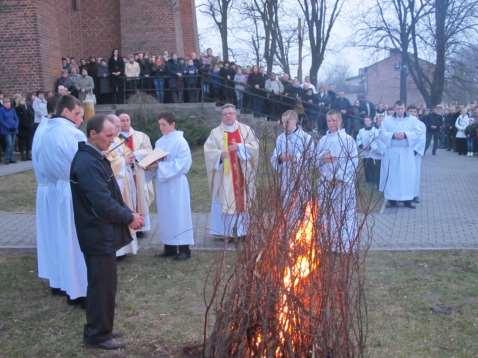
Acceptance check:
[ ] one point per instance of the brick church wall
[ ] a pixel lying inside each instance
(35, 34)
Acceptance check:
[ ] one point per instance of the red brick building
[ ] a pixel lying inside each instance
(380, 82)
(35, 34)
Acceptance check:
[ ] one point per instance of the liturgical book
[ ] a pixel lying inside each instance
(151, 158)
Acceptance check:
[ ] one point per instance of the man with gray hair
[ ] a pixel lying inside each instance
(232, 153)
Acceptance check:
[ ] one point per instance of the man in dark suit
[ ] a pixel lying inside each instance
(102, 221)
(434, 122)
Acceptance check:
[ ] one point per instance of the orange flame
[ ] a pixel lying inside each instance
(300, 269)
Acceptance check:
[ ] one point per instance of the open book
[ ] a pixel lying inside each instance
(151, 158)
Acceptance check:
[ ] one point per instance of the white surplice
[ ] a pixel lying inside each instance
(398, 169)
(419, 151)
(125, 179)
(60, 259)
(173, 199)
(368, 138)
(144, 190)
(299, 146)
(337, 188)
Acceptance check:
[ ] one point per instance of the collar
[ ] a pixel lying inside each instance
(230, 128)
(88, 147)
(65, 120)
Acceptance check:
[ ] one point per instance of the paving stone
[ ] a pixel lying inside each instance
(446, 218)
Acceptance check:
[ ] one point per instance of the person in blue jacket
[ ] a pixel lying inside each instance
(8, 129)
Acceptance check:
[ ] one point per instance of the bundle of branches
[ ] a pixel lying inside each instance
(296, 288)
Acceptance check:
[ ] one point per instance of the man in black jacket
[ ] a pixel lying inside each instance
(434, 122)
(102, 221)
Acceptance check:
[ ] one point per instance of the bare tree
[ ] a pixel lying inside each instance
(320, 17)
(461, 83)
(448, 25)
(391, 25)
(419, 28)
(219, 11)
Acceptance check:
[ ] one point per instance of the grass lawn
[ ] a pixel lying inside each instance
(420, 305)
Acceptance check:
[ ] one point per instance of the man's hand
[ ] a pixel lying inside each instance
(399, 135)
(137, 222)
(285, 157)
(129, 158)
(233, 147)
(328, 158)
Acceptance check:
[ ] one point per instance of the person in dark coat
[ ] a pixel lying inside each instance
(434, 122)
(116, 68)
(101, 220)
(26, 127)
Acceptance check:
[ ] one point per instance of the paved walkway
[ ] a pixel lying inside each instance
(447, 217)
(15, 168)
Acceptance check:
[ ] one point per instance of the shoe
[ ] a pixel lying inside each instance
(57, 292)
(165, 255)
(110, 344)
(182, 256)
(79, 302)
(117, 335)
(391, 204)
(416, 200)
(120, 258)
(408, 204)
(13, 161)
(139, 234)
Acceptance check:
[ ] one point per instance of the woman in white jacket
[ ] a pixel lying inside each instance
(461, 123)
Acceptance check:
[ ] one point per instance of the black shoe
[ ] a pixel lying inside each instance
(57, 292)
(13, 161)
(416, 200)
(392, 204)
(139, 234)
(120, 258)
(110, 344)
(408, 204)
(165, 254)
(182, 256)
(79, 302)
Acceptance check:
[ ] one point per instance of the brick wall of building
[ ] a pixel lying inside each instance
(19, 46)
(147, 26)
(383, 83)
(37, 33)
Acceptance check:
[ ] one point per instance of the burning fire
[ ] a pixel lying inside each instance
(303, 258)
(303, 255)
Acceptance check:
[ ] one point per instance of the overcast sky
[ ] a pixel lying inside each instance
(340, 50)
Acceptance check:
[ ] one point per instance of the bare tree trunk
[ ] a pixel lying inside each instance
(320, 17)
(403, 76)
(300, 31)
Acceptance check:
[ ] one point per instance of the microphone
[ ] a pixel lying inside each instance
(124, 139)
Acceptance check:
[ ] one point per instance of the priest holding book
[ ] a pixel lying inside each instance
(173, 199)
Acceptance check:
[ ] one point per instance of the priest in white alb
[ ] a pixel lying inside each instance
(121, 158)
(231, 152)
(290, 156)
(140, 144)
(398, 173)
(419, 150)
(61, 261)
(173, 199)
(337, 158)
